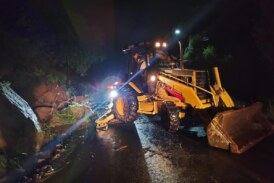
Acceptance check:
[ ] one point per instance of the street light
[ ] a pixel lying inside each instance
(178, 32)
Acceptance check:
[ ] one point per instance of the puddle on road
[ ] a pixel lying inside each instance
(172, 157)
(198, 130)
(159, 148)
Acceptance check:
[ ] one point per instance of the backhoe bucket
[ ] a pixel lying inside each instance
(239, 130)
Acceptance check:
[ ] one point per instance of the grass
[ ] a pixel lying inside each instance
(67, 116)
(3, 162)
(3, 165)
(47, 130)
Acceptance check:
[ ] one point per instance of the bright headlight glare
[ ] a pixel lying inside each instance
(113, 94)
(157, 44)
(164, 44)
(152, 78)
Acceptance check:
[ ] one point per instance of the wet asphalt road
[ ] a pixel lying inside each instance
(144, 152)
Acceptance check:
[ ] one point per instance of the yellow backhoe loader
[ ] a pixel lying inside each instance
(168, 90)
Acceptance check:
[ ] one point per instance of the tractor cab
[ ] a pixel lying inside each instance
(146, 59)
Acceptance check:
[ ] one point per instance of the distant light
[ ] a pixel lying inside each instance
(113, 94)
(164, 44)
(110, 87)
(116, 83)
(157, 44)
(177, 31)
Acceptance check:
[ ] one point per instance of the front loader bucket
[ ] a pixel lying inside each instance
(239, 130)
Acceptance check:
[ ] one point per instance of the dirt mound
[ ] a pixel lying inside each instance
(49, 98)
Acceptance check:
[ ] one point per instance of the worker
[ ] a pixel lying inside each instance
(138, 63)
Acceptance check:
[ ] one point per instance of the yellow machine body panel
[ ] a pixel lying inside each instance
(224, 96)
(186, 91)
(148, 108)
(145, 106)
(134, 87)
(220, 91)
(103, 121)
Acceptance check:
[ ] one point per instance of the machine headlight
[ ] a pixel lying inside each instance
(113, 94)
(157, 44)
(152, 78)
(164, 44)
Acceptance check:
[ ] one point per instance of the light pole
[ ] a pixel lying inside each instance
(178, 32)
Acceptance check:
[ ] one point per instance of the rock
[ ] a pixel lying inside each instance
(121, 148)
(58, 146)
(61, 151)
(40, 161)
(56, 156)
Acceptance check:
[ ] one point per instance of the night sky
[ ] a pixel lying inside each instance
(235, 27)
(126, 22)
(241, 28)
(115, 24)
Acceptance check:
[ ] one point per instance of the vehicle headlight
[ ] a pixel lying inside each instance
(152, 78)
(157, 44)
(113, 94)
(164, 44)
